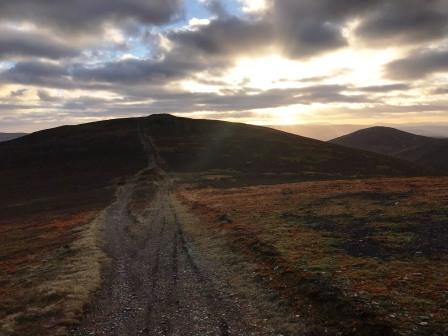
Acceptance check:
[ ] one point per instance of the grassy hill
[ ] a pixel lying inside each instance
(425, 151)
(56, 182)
(200, 145)
(99, 152)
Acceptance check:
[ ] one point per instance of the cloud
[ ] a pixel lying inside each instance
(44, 96)
(385, 88)
(404, 21)
(17, 93)
(15, 43)
(419, 64)
(229, 36)
(38, 74)
(140, 60)
(298, 29)
(306, 28)
(83, 16)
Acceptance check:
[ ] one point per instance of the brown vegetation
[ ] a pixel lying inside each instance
(55, 184)
(363, 257)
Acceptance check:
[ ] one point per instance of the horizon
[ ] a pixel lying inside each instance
(320, 131)
(262, 62)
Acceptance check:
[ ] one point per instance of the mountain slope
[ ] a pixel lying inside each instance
(198, 145)
(425, 151)
(96, 153)
(10, 136)
(56, 184)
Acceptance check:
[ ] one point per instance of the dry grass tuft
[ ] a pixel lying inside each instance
(51, 293)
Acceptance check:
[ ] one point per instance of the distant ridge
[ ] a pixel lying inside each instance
(10, 136)
(424, 151)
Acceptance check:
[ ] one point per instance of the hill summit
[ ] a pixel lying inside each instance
(425, 151)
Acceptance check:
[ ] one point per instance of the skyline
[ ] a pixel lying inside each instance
(263, 62)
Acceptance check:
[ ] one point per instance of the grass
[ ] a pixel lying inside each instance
(50, 265)
(55, 185)
(361, 257)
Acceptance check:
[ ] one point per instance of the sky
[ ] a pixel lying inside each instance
(266, 62)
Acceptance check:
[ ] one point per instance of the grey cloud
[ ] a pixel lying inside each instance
(419, 64)
(170, 101)
(440, 91)
(135, 71)
(85, 15)
(27, 44)
(306, 28)
(18, 93)
(226, 36)
(299, 29)
(405, 21)
(44, 96)
(216, 8)
(40, 74)
(385, 88)
(331, 94)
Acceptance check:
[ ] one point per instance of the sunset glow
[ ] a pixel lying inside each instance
(254, 61)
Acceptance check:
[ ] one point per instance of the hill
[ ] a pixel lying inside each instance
(320, 132)
(328, 132)
(10, 136)
(187, 145)
(84, 158)
(57, 185)
(425, 151)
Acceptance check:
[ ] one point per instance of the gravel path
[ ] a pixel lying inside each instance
(156, 288)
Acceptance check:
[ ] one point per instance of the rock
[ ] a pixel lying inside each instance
(225, 219)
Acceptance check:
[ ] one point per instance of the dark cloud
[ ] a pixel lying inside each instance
(405, 21)
(44, 96)
(305, 28)
(228, 36)
(419, 65)
(298, 29)
(440, 91)
(34, 73)
(178, 63)
(84, 15)
(217, 8)
(130, 71)
(28, 44)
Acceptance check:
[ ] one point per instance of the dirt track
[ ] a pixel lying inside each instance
(156, 288)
